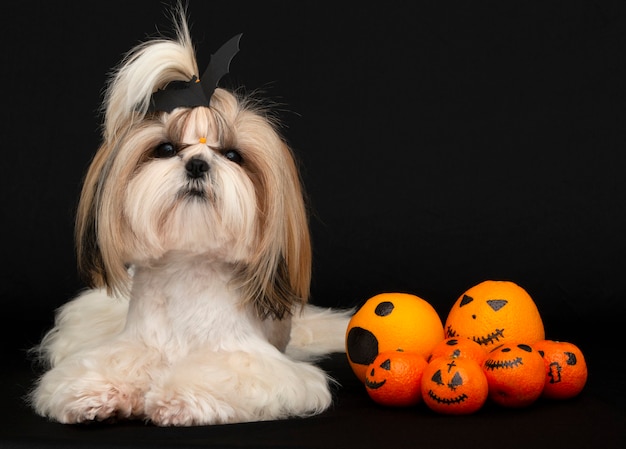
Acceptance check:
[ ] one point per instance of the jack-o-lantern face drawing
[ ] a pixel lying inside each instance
(454, 385)
(377, 377)
(393, 378)
(495, 312)
(390, 322)
(515, 374)
(566, 368)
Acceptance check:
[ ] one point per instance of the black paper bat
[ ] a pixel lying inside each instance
(197, 92)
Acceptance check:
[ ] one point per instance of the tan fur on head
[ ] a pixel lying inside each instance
(256, 218)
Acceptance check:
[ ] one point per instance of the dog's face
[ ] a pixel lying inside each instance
(216, 182)
(193, 183)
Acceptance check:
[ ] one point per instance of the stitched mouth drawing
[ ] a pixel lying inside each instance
(489, 339)
(491, 364)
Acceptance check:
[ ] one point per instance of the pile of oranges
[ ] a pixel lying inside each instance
(492, 347)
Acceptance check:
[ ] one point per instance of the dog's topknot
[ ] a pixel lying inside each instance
(149, 66)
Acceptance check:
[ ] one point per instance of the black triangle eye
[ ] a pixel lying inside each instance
(456, 381)
(497, 304)
(437, 377)
(466, 300)
(386, 365)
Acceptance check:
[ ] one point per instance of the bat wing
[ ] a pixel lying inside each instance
(219, 65)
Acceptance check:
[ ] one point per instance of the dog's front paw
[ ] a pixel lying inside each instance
(176, 408)
(106, 405)
(305, 393)
(84, 399)
(236, 387)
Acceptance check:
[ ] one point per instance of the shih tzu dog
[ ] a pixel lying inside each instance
(192, 233)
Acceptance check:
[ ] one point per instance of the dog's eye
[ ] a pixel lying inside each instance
(165, 150)
(233, 156)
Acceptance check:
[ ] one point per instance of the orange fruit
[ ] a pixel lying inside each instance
(515, 373)
(393, 378)
(454, 385)
(391, 322)
(495, 312)
(459, 348)
(565, 366)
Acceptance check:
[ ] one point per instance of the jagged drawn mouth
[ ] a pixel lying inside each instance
(491, 364)
(374, 385)
(447, 401)
(489, 339)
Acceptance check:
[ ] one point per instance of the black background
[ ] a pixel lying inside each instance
(441, 144)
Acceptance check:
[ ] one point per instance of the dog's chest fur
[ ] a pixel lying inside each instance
(184, 303)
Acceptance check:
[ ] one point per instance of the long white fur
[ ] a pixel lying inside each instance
(180, 338)
(103, 374)
(93, 317)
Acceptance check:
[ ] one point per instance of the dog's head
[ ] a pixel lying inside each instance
(216, 181)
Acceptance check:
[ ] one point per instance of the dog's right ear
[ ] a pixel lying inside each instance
(98, 233)
(88, 254)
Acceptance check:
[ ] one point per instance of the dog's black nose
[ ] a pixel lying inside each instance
(196, 168)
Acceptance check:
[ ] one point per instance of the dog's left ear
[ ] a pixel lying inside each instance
(279, 275)
(292, 276)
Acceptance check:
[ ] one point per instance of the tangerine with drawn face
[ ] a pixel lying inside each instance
(393, 378)
(454, 386)
(495, 312)
(565, 366)
(515, 373)
(391, 322)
